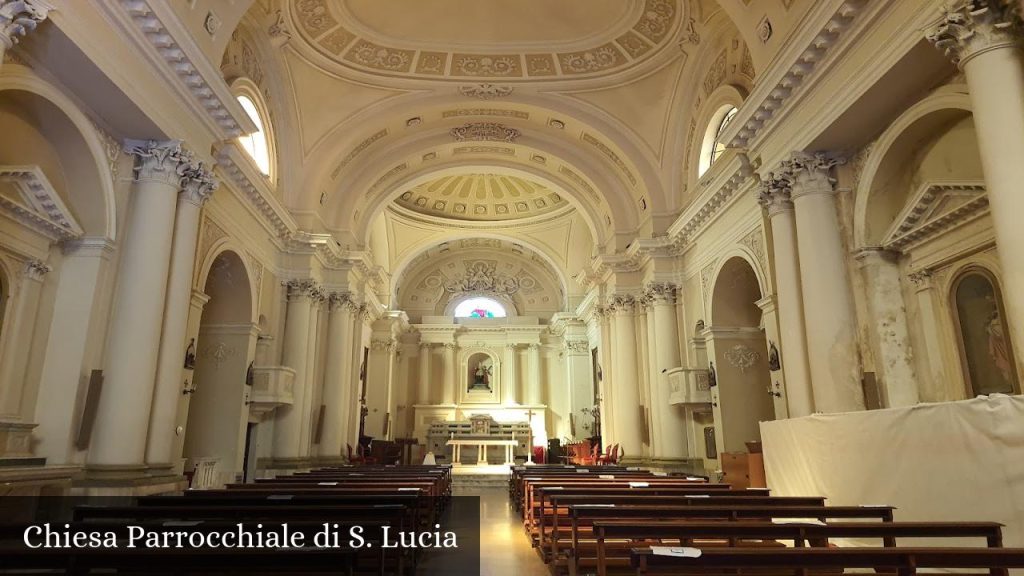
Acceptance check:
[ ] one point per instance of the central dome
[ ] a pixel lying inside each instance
(482, 197)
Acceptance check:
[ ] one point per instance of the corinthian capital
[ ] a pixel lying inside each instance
(660, 293)
(622, 304)
(162, 160)
(19, 17)
(302, 288)
(969, 27)
(342, 300)
(811, 173)
(197, 184)
(775, 192)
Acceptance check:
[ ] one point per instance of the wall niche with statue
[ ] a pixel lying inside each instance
(480, 371)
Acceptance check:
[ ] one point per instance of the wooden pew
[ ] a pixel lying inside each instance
(598, 554)
(800, 561)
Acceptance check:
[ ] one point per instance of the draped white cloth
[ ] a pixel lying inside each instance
(954, 461)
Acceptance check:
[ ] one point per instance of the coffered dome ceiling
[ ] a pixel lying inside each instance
(482, 197)
(498, 39)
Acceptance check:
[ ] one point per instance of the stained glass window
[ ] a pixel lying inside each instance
(479, 308)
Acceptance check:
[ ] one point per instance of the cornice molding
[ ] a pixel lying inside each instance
(165, 40)
(256, 191)
(936, 208)
(788, 75)
(42, 209)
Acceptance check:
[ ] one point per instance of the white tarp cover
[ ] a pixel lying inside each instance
(954, 461)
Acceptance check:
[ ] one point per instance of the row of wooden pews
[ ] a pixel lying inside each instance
(616, 520)
(409, 498)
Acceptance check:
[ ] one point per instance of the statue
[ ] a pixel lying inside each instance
(481, 377)
(712, 377)
(774, 365)
(190, 355)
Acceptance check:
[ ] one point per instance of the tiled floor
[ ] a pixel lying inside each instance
(504, 548)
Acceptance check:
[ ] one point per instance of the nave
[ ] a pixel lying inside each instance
(548, 519)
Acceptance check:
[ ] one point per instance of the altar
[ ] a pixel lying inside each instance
(481, 444)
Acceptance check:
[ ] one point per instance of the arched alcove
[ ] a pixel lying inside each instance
(217, 410)
(739, 352)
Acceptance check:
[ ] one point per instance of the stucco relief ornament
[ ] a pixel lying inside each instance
(577, 346)
(742, 357)
(482, 277)
(198, 183)
(775, 191)
(485, 91)
(485, 131)
(969, 27)
(164, 160)
(661, 293)
(19, 17)
(811, 172)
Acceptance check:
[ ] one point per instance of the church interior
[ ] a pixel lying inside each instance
(723, 249)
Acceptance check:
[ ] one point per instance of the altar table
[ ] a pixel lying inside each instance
(481, 458)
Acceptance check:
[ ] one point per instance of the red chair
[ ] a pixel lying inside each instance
(358, 457)
(591, 459)
(611, 458)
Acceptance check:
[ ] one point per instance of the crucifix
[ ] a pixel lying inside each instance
(529, 446)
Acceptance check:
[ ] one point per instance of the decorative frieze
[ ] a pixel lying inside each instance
(485, 91)
(577, 346)
(485, 131)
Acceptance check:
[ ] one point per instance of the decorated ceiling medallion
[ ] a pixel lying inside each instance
(361, 36)
(485, 131)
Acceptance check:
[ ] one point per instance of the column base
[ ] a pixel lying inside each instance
(127, 480)
(16, 439)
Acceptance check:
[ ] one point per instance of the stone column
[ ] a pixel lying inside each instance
(450, 374)
(288, 427)
(983, 38)
(122, 416)
(671, 426)
(199, 184)
(22, 330)
(933, 366)
(828, 299)
(893, 355)
(17, 18)
(775, 197)
(336, 375)
(423, 396)
(309, 411)
(508, 379)
(533, 377)
(624, 388)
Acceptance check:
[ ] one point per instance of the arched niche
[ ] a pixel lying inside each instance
(986, 353)
(480, 376)
(216, 406)
(738, 353)
(43, 128)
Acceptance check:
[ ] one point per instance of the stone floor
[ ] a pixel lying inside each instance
(504, 548)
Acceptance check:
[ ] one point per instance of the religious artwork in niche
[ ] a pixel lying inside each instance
(481, 371)
(190, 355)
(984, 345)
(479, 308)
(774, 365)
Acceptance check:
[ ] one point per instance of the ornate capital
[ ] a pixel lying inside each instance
(922, 278)
(511, 346)
(450, 346)
(775, 192)
(383, 345)
(970, 27)
(811, 173)
(197, 184)
(161, 160)
(577, 346)
(342, 300)
(302, 288)
(661, 293)
(534, 347)
(19, 17)
(622, 304)
(35, 269)
(425, 345)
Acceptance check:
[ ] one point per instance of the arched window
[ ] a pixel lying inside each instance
(713, 145)
(479, 308)
(255, 144)
(985, 351)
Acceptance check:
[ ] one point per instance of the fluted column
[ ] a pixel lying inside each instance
(533, 377)
(199, 184)
(17, 18)
(450, 376)
(892, 352)
(775, 197)
(828, 299)
(22, 328)
(624, 387)
(423, 386)
(671, 426)
(508, 378)
(122, 416)
(287, 428)
(983, 38)
(337, 384)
